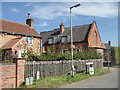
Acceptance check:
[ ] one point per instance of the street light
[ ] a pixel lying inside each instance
(72, 65)
(108, 50)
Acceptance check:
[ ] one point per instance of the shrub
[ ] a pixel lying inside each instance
(52, 56)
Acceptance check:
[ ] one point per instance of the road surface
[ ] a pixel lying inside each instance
(104, 81)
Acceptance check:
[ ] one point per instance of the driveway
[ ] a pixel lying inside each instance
(104, 81)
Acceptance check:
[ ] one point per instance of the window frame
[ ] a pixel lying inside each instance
(65, 40)
(20, 52)
(52, 39)
(29, 40)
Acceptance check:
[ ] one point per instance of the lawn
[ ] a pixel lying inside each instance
(57, 81)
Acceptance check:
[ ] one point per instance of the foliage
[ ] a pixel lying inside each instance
(84, 54)
(57, 81)
(115, 54)
(8, 61)
(87, 54)
(1, 52)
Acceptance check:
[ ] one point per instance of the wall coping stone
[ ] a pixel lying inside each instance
(8, 63)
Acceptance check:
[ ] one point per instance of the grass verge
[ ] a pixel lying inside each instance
(57, 81)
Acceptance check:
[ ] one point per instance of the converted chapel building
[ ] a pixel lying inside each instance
(83, 36)
(16, 38)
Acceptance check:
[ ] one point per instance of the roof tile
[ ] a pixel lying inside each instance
(11, 43)
(10, 26)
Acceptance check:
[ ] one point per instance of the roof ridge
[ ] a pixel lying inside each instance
(79, 25)
(14, 22)
(65, 28)
(49, 31)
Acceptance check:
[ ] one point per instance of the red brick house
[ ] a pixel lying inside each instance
(16, 38)
(83, 36)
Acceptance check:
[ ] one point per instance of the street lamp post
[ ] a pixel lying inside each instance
(108, 54)
(72, 64)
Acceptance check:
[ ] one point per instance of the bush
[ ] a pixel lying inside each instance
(115, 54)
(52, 56)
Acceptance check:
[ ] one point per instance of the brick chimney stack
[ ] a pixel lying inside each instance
(62, 28)
(109, 43)
(30, 21)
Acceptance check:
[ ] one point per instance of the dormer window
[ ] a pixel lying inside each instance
(64, 39)
(50, 40)
(29, 40)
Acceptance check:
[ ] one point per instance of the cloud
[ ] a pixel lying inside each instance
(14, 10)
(28, 4)
(60, 0)
(51, 11)
(43, 24)
(105, 10)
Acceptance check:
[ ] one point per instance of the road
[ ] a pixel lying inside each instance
(104, 81)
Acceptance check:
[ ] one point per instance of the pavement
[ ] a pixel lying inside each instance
(109, 80)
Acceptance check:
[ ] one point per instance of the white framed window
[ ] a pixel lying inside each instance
(64, 39)
(50, 40)
(21, 52)
(29, 40)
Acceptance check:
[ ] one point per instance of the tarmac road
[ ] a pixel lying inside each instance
(104, 81)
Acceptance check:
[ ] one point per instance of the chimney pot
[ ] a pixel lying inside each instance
(28, 15)
(62, 28)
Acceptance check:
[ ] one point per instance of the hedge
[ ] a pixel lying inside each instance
(53, 56)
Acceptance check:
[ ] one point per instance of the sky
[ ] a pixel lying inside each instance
(49, 15)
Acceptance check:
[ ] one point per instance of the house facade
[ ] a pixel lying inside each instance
(16, 38)
(83, 36)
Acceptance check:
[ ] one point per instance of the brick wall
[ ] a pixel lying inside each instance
(20, 72)
(0, 76)
(8, 75)
(65, 46)
(12, 74)
(91, 37)
(6, 38)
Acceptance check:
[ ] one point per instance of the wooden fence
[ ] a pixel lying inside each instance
(54, 68)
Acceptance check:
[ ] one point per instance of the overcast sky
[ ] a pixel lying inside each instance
(49, 15)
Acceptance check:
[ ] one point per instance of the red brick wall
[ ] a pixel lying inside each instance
(12, 74)
(0, 76)
(91, 37)
(64, 46)
(20, 72)
(35, 47)
(8, 75)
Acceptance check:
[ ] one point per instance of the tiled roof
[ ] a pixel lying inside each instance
(10, 26)
(79, 34)
(11, 43)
